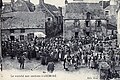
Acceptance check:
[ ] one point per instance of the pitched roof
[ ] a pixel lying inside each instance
(19, 5)
(30, 5)
(7, 8)
(111, 27)
(104, 3)
(111, 6)
(50, 7)
(82, 8)
(24, 20)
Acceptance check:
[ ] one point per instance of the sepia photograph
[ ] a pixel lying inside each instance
(59, 39)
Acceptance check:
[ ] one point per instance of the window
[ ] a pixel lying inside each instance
(76, 23)
(76, 34)
(88, 15)
(106, 12)
(21, 37)
(30, 36)
(87, 23)
(12, 38)
(12, 30)
(22, 30)
(98, 23)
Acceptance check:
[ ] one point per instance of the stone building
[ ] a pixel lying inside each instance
(21, 19)
(22, 24)
(52, 13)
(84, 19)
(110, 14)
(19, 6)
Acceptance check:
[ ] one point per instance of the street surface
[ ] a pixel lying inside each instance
(34, 70)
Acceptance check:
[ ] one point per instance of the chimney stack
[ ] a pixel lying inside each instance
(41, 1)
(28, 0)
(60, 9)
(12, 2)
(1, 4)
(66, 2)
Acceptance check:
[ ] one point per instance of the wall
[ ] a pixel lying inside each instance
(118, 26)
(69, 29)
(6, 33)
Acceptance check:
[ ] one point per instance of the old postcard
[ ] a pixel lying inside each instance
(59, 39)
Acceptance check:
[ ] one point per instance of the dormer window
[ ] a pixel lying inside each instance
(12, 30)
(21, 37)
(98, 23)
(88, 15)
(107, 13)
(22, 30)
(76, 23)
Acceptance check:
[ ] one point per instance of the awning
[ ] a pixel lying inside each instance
(39, 34)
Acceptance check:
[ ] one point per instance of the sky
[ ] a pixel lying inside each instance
(54, 2)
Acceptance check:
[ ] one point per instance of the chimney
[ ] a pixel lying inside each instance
(41, 1)
(66, 2)
(60, 10)
(12, 2)
(1, 4)
(28, 0)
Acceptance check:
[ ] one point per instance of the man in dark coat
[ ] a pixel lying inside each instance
(86, 60)
(75, 62)
(29, 53)
(43, 60)
(50, 67)
(22, 61)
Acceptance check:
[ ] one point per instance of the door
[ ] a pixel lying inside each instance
(12, 38)
(76, 34)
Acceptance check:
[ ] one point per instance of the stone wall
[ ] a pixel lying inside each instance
(69, 28)
(118, 26)
(6, 33)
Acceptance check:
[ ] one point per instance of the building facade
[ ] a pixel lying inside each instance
(22, 18)
(22, 24)
(118, 22)
(110, 13)
(53, 15)
(84, 19)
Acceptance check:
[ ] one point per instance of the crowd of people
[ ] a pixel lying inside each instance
(74, 52)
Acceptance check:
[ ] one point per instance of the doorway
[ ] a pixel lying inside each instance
(76, 34)
(12, 38)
